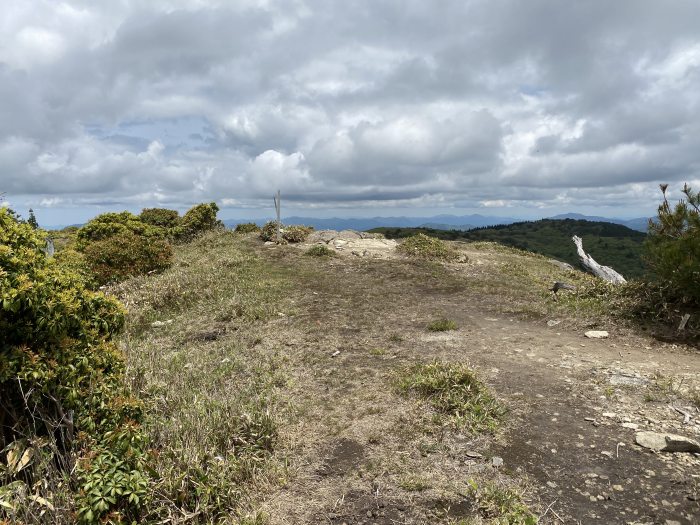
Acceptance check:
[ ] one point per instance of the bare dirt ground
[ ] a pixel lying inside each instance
(359, 453)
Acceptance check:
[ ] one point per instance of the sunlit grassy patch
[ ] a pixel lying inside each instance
(454, 391)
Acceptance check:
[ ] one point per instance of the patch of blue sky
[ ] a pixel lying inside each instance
(532, 91)
(174, 133)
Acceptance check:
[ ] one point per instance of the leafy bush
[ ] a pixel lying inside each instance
(320, 250)
(423, 247)
(109, 224)
(293, 233)
(269, 231)
(198, 219)
(162, 217)
(673, 246)
(125, 255)
(75, 262)
(63, 396)
(248, 227)
(296, 233)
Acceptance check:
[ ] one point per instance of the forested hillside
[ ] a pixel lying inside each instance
(610, 244)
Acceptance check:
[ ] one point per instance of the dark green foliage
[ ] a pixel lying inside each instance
(61, 377)
(109, 224)
(673, 247)
(162, 217)
(125, 255)
(32, 220)
(610, 244)
(248, 227)
(197, 220)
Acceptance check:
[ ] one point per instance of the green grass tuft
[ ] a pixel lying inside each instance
(501, 504)
(423, 247)
(320, 250)
(454, 391)
(414, 484)
(442, 325)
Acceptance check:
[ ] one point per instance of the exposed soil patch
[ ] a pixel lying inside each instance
(365, 508)
(343, 458)
(574, 403)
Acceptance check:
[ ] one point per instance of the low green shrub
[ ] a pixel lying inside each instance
(423, 247)
(110, 224)
(247, 227)
(292, 233)
(296, 233)
(68, 426)
(197, 220)
(162, 217)
(320, 250)
(269, 231)
(455, 391)
(125, 255)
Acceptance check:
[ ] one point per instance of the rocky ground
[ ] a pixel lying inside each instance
(359, 453)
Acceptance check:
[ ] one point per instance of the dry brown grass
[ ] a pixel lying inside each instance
(209, 381)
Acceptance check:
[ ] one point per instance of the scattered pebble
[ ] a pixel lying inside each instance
(157, 324)
(596, 334)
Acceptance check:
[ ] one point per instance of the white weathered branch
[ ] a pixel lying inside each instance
(604, 272)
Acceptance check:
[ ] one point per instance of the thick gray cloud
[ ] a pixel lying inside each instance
(541, 105)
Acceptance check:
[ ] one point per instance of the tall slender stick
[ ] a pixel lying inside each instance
(278, 205)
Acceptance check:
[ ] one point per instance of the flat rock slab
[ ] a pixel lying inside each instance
(596, 334)
(346, 235)
(627, 379)
(664, 442)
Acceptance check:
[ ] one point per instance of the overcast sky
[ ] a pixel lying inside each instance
(518, 108)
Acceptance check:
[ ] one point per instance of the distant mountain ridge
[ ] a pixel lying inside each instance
(610, 244)
(436, 222)
(640, 224)
(446, 222)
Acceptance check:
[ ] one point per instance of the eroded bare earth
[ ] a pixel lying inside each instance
(359, 452)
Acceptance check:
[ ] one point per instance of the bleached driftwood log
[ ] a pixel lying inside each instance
(604, 272)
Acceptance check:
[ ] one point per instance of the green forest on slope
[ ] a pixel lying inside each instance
(610, 244)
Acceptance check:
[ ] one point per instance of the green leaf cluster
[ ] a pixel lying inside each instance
(161, 217)
(127, 254)
(119, 245)
(108, 225)
(673, 246)
(61, 378)
(197, 220)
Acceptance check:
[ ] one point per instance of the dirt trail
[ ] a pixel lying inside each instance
(361, 454)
